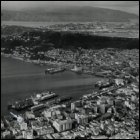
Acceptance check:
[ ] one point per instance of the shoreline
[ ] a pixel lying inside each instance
(52, 64)
(35, 62)
(60, 91)
(62, 86)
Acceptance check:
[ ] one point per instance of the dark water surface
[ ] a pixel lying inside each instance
(20, 80)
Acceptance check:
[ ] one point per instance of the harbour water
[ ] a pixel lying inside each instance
(34, 24)
(20, 80)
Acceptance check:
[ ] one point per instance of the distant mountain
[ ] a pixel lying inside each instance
(75, 14)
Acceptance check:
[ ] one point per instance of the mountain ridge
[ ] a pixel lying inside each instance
(80, 14)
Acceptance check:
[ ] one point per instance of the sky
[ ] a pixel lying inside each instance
(127, 6)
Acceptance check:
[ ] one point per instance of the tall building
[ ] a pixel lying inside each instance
(62, 125)
(81, 119)
(73, 106)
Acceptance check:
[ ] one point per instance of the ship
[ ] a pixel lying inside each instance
(21, 105)
(30, 102)
(54, 70)
(46, 96)
(99, 74)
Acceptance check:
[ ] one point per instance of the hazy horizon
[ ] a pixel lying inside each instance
(127, 6)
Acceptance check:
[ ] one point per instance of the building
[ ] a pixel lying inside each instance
(81, 119)
(119, 82)
(19, 118)
(75, 104)
(56, 136)
(2, 125)
(29, 115)
(27, 134)
(6, 134)
(44, 130)
(23, 126)
(102, 108)
(49, 136)
(48, 114)
(52, 113)
(95, 108)
(62, 125)
(77, 69)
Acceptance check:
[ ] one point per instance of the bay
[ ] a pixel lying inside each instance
(20, 80)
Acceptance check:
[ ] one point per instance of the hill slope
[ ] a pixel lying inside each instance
(64, 40)
(76, 14)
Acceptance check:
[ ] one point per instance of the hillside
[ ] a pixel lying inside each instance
(64, 40)
(75, 14)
